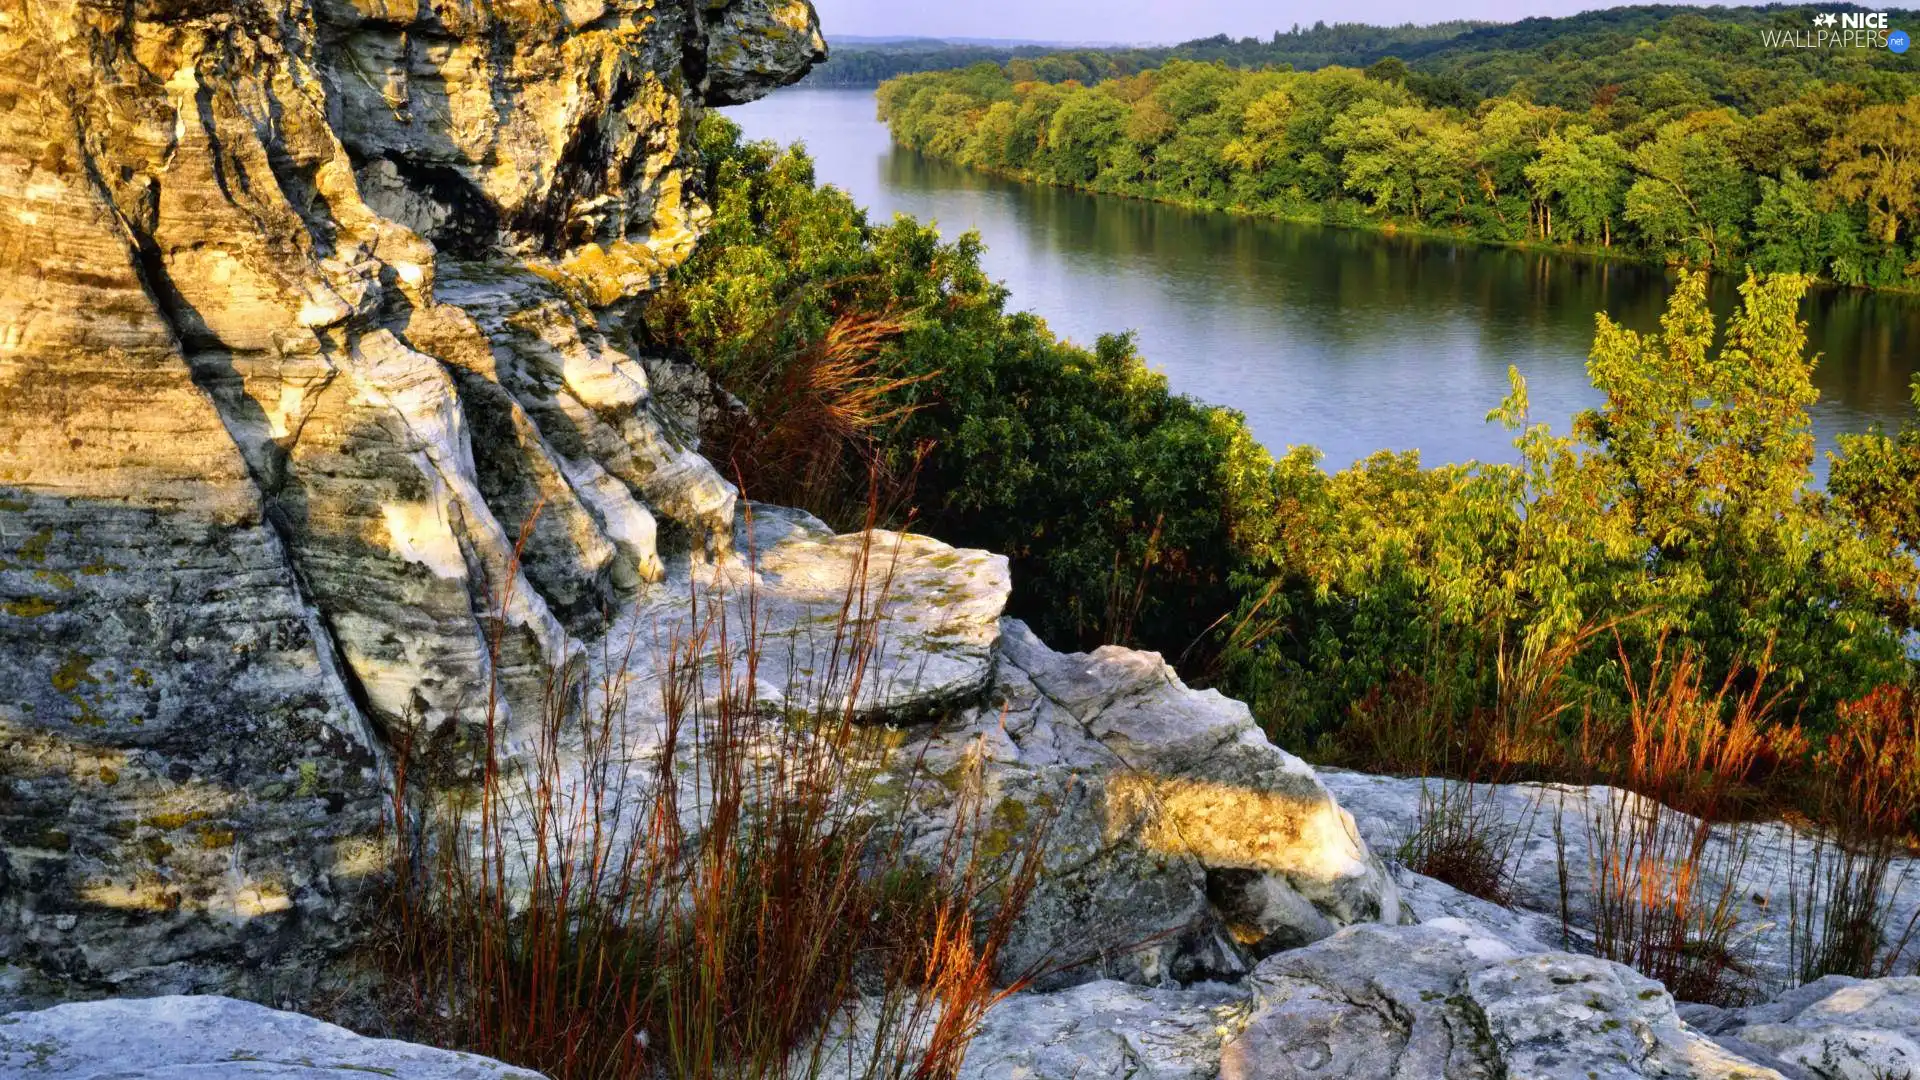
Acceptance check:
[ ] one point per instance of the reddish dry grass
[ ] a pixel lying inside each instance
(706, 909)
(809, 438)
(1866, 792)
(1662, 884)
(1665, 891)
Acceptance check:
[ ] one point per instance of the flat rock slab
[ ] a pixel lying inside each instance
(902, 624)
(1835, 1028)
(213, 1038)
(1445, 1000)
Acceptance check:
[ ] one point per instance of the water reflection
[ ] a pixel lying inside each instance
(1346, 340)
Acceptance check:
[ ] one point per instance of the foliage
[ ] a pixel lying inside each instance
(1683, 510)
(1626, 134)
(1076, 463)
(1659, 598)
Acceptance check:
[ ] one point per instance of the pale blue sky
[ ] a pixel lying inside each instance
(1153, 20)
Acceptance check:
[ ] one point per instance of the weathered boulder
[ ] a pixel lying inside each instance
(263, 472)
(750, 43)
(1179, 843)
(1439, 1000)
(926, 616)
(1834, 1028)
(216, 1038)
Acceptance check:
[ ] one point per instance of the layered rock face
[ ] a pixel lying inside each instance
(309, 313)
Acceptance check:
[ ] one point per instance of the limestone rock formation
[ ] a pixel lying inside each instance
(1179, 843)
(1834, 1028)
(214, 1037)
(305, 310)
(1445, 1000)
(1108, 1029)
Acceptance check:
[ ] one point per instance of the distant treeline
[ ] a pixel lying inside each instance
(1663, 133)
(1317, 46)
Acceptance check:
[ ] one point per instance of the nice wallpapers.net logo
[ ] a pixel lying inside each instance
(1841, 30)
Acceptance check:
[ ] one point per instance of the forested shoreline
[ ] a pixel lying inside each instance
(1635, 143)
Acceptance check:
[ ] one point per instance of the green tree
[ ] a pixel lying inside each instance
(1788, 226)
(1083, 135)
(1876, 480)
(1404, 158)
(1875, 159)
(1692, 191)
(1584, 175)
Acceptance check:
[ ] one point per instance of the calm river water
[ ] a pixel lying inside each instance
(1348, 341)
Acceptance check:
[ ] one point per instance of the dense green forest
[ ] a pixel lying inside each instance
(1658, 133)
(1682, 514)
(870, 64)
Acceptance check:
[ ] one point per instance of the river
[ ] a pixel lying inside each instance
(1344, 340)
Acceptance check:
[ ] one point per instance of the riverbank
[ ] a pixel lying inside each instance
(1692, 183)
(1351, 217)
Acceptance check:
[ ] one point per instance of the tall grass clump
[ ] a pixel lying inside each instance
(1866, 793)
(1666, 856)
(819, 407)
(1463, 739)
(665, 878)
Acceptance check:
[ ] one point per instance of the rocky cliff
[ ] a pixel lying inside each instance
(306, 308)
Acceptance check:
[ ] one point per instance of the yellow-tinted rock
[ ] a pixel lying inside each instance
(261, 484)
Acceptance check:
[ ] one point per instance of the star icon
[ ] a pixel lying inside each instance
(1825, 19)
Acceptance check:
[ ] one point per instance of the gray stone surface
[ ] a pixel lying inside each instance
(751, 42)
(1445, 1000)
(1835, 1028)
(214, 1038)
(922, 615)
(1107, 1031)
(1179, 843)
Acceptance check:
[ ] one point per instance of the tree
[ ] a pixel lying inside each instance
(1692, 191)
(1583, 174)
(1402, 157)
(1509, 137)
(1262, 142)
(1710, 452)
(1788, 226)
(1875, 159)
(1876, 479)
(1081, 138)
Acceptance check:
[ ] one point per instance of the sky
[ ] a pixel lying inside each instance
(1158, 21)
